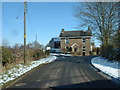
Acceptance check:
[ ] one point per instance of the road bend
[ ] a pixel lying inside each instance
(65, 72)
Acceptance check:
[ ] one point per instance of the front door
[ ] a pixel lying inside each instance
(75, 49)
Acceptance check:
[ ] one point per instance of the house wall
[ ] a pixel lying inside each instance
(78, 41)
(88, 46)
(51, 44)
(54, 45)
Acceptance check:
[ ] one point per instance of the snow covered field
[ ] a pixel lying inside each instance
(112, 68)
(21, 69)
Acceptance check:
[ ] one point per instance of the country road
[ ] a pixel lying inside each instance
(65, 72)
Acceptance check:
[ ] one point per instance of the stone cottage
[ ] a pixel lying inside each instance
(78, 42)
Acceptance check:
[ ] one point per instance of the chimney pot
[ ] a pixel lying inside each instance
(62, 30)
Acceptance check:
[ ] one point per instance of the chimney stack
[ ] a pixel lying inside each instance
(62, 30)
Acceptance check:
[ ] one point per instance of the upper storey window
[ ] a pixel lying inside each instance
(84, 40)
(66, 41)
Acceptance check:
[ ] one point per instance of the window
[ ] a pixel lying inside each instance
(66, 41)
(84, 48)
(57, 44)
(67, 48)
(70, 48)
(83, 53)
(84, 40)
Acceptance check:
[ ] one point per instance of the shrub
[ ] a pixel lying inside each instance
(38, 54)
(117, 53)
(110, 52)
(47, 52)
(7, 56)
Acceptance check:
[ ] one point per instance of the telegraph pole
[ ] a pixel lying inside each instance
(25, 32)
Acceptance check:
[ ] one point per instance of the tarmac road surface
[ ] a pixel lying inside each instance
(65, 72)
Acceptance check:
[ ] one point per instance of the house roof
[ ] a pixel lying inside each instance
(74, 33)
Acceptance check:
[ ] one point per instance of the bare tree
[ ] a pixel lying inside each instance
(101, 16)
(36, 45)
(16, 46)
(5, 43)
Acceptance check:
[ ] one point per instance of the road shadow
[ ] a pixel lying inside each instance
(88, 85)
(75, 59)
(91, 84)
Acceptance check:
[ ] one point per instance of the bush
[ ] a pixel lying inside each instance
(47, 52)
(38, 54)
(7, 56)
(110, 52)
(117, 53)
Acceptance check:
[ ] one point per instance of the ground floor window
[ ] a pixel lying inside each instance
(69, 48)
(83, 53)
(84, 48)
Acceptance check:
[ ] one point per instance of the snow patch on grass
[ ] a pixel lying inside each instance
(21, 69)
(111, 68)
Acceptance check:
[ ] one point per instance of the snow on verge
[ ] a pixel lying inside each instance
(111, 68)
(57, 54)
(21, 69)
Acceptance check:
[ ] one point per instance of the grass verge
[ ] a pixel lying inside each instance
(10, 83)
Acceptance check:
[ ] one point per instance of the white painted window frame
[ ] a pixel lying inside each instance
(66, 41)
(83, 48)
(83, 40)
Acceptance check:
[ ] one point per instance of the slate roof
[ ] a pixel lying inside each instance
(74, 33)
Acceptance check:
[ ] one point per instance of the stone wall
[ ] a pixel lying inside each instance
(76, 43)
